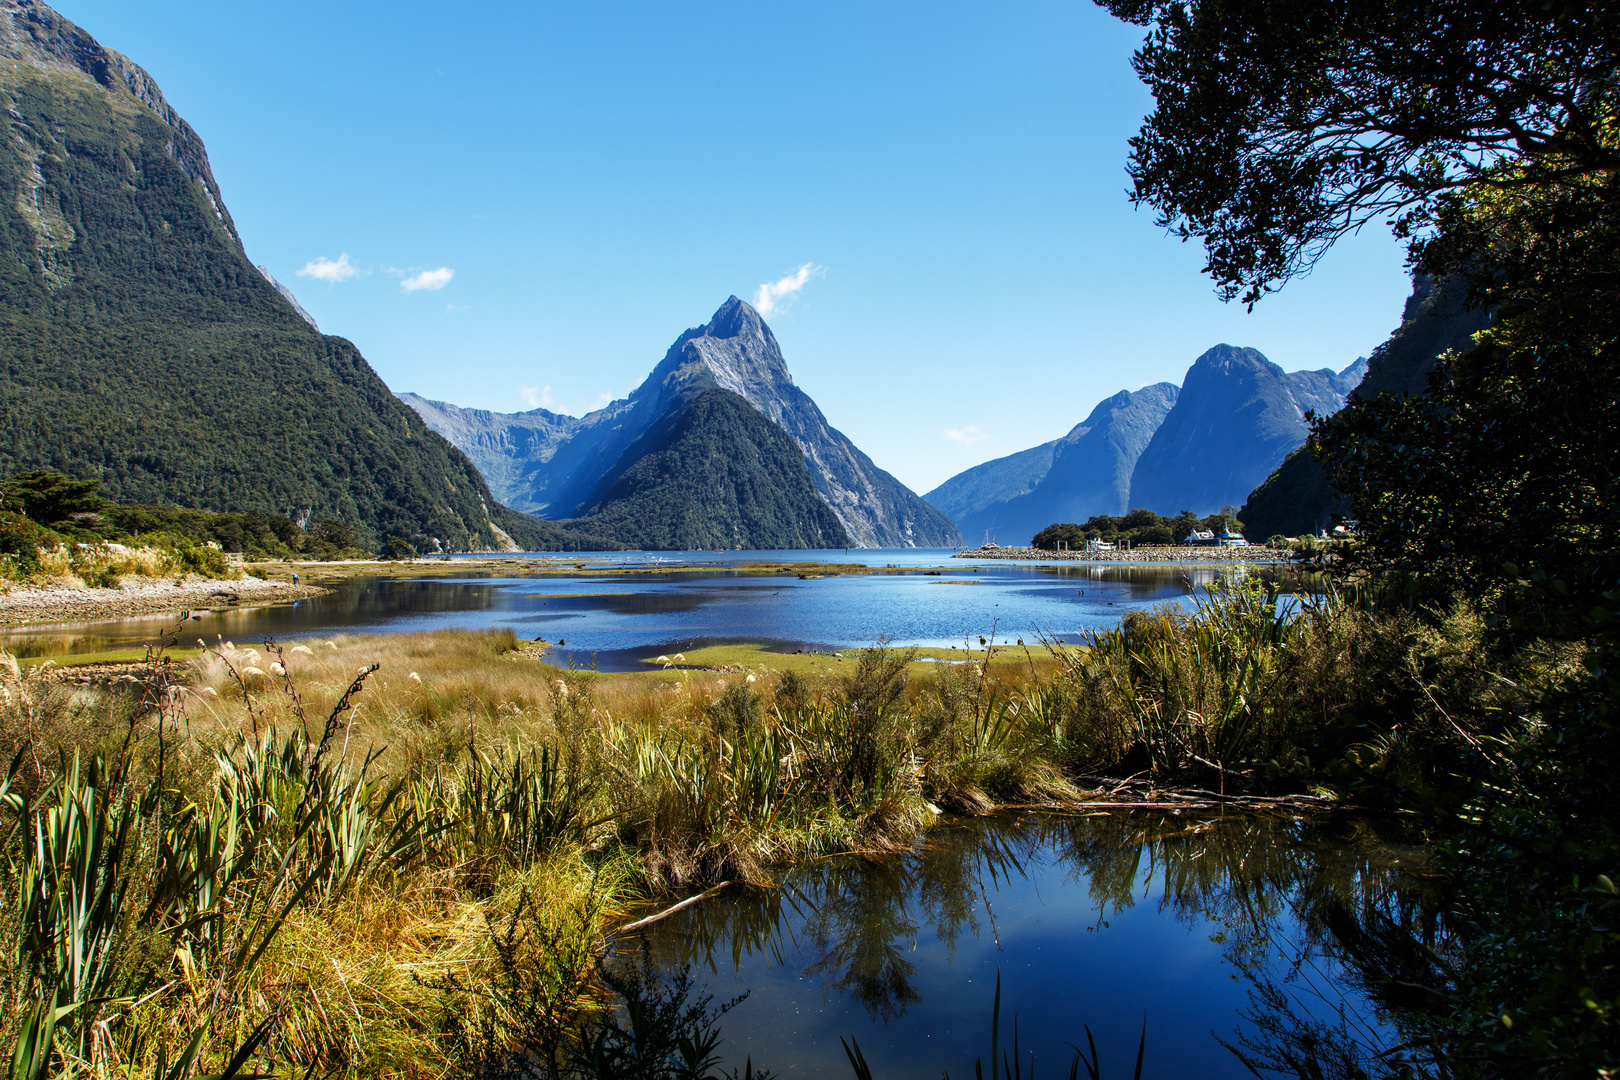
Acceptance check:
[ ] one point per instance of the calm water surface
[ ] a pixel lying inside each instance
(1196, 926)
(622, 619)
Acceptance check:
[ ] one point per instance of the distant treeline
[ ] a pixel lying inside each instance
(1138, 528)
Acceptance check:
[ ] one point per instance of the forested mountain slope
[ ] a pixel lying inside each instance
(713, 473)
(139, 346)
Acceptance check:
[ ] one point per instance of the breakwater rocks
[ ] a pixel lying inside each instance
(1137, 555)
(142, 596)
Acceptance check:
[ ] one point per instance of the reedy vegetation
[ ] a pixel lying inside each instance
(373, 856)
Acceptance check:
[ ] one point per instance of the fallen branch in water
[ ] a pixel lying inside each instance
(667, 912)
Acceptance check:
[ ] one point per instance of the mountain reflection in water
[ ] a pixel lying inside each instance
(1215, 930)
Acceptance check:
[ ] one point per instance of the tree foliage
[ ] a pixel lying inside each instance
(53, 500)
(1137, 528)
(1488, 134)
(1280, 127)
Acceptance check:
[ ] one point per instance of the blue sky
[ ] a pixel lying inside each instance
(512, 204)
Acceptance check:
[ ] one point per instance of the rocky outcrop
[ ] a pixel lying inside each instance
(287, 295)
(35, 35)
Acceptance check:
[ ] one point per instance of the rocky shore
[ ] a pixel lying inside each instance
(142, 596)
(1137, 555)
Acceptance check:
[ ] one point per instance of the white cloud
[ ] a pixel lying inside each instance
(538, 397)
(770, 295)
(324, 269)
(428, 279)
(967, 436)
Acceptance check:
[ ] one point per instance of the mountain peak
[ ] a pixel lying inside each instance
(736, 318)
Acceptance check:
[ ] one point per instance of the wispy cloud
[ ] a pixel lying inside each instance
(324, 269)
(770, 296)
(538, 397)
(967, 436)
(428, 279)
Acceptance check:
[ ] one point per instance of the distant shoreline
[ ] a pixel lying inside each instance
(1251, 554)
(23, 605)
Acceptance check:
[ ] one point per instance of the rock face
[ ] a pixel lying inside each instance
(1296, 498)
(287, 295)
(560, 467)
(139, 346)
(1237, 417)
(1086, 472)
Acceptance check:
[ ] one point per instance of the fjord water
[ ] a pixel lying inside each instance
(1207, 930)
(623, 609)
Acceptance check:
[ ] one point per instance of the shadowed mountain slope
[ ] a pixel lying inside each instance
(1237, 417)
(1086, 472)
(712, 474)
(1297, 498)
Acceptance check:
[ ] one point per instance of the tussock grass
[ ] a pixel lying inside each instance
(401, 855)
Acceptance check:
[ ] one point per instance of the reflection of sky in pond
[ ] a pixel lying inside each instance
(621, 618)
(1090, 921)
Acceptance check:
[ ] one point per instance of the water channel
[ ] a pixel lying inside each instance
(619, 611)
(1208, 930)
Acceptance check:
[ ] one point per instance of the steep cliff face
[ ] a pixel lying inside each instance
(1086, 472)
(140, 346)
(564, 469)
(1237, 417)
(1297, 498)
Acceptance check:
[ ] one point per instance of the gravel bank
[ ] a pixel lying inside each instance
(23, 604)
(1138, 555)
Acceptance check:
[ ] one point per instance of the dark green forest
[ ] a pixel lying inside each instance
(713, 473)
(141, 349)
